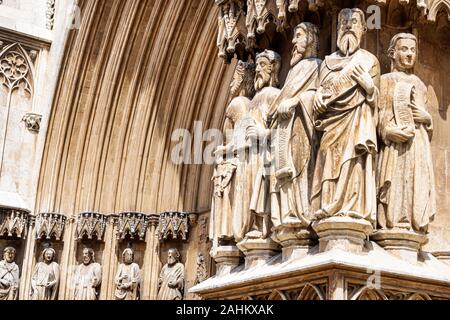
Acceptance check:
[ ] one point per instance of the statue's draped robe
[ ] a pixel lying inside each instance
(407, 196)
(85, 288)
(290, 197)
(221, 224)
(43, 274)
(173, 274)
(344, 181)
(251, 190)
(9, 273)
(133, 274)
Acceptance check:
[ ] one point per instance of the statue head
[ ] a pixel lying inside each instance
(268, 64)
(128, 256)
(173, 257)
(48, 255)
(306, 42)
(88, 256)
(403, 51)
(242, 84)
(9, 254)
(351, 29)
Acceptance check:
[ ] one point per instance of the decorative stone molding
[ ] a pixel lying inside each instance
(16, 68)
(132, 224)
(13, 223)
(201, 273)
(49, 225)
(50, 14)
(32, 121)
(173, 225)
(91, 225)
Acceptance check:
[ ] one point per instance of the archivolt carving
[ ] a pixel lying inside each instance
(13, 223)
(50, 14)
(49, 225)
(173, 225)
(132, 224)
(232, 37)
(91, 225)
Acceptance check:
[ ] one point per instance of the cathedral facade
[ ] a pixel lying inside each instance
(224, 149)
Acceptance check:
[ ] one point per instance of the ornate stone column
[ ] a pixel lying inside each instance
(109, 259)
(152, 264)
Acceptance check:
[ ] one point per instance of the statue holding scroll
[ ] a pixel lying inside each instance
(45, 280)
(346, 113)
(407, 196)
(9, 275)
(128, 278)
(88, 277)
(294, 140)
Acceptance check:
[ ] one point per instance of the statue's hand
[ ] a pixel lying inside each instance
(399, 135)
(252, 133)
(5, 283)
(319, 104)
(364, 79)
(287, 108)
(420, 116)
(172, 284)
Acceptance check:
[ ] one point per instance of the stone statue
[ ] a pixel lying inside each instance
(45, 280)
(128, 278)
(9, 275)
(346, 114)
(171, 279)
(221, 231)
(88, 277)
(407, 196)
(294, 141)
(251, 203)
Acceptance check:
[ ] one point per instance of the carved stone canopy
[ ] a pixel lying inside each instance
(13, 223)
(49, 225)
(174, 225)
(132, 224)
(91, 225)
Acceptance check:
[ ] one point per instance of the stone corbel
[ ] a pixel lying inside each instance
(91, 225)
(132, 224)
(174, 225)
(49, 225)
(32, 121)
(13, 223)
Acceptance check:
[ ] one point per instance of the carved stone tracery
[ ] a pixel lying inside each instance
(90, 225)
(132, 224)
(50, 225)
(173, 225)
(13, 223)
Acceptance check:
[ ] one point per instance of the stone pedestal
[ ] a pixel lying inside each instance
(403, 243)
(258, 251)
(227, 258)
(345, 233)
(295, 241)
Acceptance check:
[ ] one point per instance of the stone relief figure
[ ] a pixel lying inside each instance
(251, 203)
(221, 231)
(9, 275)
(128, 278)
(88, 277)
(45, 280)
(346, 115)
(294, 141)
(407, 197)
(171, 279)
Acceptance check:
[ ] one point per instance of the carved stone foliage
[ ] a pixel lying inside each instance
(90, 225)
(173, 225)
(50, 14)
(32, 121)
(132, 224)
(13, 223)
(50, 225)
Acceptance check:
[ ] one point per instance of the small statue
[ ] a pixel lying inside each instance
(171, 279)
(407, 195)
(128, 278)
(9, 275)
(88, 277)
(45, 280)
